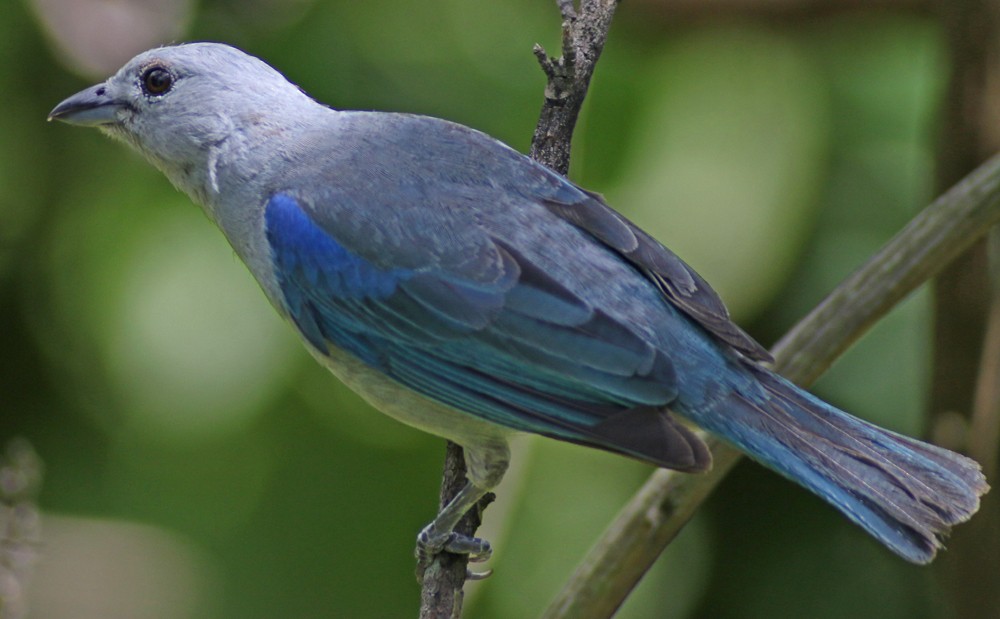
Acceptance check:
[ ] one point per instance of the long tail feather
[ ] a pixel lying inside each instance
(905, 493)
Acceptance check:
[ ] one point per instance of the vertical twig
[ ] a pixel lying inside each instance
(961, 293)
(964, 379)
(584, 32)
(585, 29)
(441, 593)
(984, 427)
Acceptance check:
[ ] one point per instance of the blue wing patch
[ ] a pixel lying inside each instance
(318, 255)
(517, 349)
(306, 255)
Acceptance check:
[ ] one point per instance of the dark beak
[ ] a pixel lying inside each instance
(89, 108)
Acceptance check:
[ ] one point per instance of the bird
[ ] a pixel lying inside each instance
(471, 292)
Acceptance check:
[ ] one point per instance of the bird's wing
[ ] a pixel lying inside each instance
(678, 282)
(482, 164)
(465, 320)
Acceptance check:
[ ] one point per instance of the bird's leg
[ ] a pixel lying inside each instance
(485, 463)
(439, 535)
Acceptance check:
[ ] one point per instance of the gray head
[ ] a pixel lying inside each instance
(178, 105)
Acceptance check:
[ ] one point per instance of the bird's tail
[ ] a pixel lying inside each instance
(905, 493)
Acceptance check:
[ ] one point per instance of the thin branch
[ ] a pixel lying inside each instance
(984, 427)
(584, 32)
(968, 571)
(961, 294)
(656, 513)
(963, 380)
(923, 248)
(441, 581)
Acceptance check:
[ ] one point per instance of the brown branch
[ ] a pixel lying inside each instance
(961, 293)
(963, 391)
(583, 35)
(666, 502)
(584, 32)
(442, 580)
(984, 426)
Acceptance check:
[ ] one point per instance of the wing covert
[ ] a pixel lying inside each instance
(679, 283)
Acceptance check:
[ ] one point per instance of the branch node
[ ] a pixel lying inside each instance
(544, 61)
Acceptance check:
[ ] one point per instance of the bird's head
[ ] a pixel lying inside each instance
(179, 105)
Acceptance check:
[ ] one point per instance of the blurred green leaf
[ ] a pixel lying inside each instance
(728, 166)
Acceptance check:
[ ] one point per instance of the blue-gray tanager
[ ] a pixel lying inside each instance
(469, 291)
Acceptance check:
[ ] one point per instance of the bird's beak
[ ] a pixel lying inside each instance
(89, 108)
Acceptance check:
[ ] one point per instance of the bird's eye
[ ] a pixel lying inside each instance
(157, 81)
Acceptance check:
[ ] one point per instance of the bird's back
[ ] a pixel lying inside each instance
(410, 186)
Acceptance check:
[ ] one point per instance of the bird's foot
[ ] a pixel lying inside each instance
(431, 543)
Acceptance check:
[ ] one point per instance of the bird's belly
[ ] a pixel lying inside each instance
(408, 406)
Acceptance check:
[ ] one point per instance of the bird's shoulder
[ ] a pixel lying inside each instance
(416, 191)
(411, 152)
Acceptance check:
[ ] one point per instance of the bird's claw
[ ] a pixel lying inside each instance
(476, 548)
(470, 575)
(430, 543)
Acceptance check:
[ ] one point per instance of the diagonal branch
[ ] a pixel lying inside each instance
(667, 501)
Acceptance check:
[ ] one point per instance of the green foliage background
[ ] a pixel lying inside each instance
(200, 464)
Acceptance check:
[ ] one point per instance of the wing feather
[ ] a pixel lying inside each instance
(566, 370)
